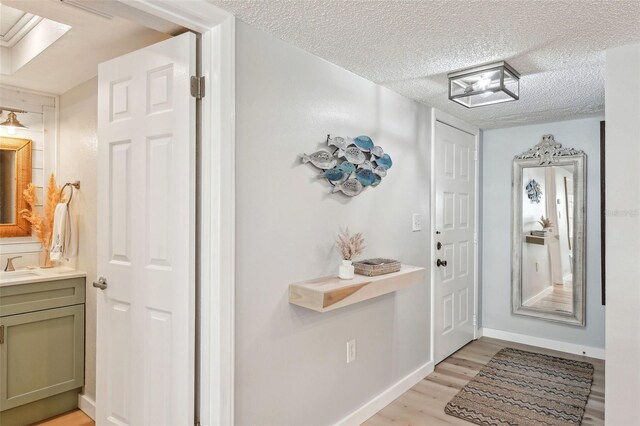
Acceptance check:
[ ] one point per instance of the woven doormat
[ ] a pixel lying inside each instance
(519, 388)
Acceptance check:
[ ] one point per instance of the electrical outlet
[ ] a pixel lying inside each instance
(416, 223)
(351, 351)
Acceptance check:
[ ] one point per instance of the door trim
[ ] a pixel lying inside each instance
(215, 263)
(449, 120)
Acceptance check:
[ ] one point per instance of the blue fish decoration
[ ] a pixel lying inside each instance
(366, 177)
(384, 161)
(347, 167)
(364, 143)
(333, 175)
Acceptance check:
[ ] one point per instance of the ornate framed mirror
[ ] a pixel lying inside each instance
(548, 233)
(15, 175)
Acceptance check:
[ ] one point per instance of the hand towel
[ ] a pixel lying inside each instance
(64, 240)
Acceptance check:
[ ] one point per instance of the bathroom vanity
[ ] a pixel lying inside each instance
(41, 343)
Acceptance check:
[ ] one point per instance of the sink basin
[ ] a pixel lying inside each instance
(18, 273)
(33, 274)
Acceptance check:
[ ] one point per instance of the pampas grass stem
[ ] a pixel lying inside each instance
(350, 246)
(42, 225)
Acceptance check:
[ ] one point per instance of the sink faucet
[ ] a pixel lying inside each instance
(9, 267)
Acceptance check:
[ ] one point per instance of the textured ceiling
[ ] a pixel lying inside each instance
(410, 46)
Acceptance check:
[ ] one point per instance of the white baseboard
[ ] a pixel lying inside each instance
(87, 405)
(556, 345)
(363, 413)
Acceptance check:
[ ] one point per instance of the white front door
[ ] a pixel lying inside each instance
(454, 278)
(146, 236)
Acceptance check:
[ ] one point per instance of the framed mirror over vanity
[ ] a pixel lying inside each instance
(15, 175)
(548, 233)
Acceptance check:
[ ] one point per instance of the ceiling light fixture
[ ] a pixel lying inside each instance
(12, 123)
(484, 85)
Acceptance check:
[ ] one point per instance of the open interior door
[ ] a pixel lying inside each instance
(146, 236)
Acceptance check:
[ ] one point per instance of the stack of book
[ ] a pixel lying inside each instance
(542, 233)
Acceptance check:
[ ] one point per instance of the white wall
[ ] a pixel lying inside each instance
(622, 91)
(77, 161)
(291, 362)
(498, 149)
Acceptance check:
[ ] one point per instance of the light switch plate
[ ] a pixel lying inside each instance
(416, 222)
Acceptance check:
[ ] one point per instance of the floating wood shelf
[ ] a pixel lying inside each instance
(543, 241)
(329, 293)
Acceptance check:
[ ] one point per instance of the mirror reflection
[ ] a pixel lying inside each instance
(547, 221)
(15, 175)
(7, 186)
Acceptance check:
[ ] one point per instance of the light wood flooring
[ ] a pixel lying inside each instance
(560, 299)
(423, 404)
(72, 418)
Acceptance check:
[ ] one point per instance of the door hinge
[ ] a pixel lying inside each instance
(475, 320)
(197, 87)
(1, 334)
(475, 238)
(476, 154)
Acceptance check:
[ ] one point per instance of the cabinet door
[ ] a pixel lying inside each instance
(42, 355)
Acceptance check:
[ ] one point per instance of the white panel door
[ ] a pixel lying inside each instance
(146, 236)
(453, 279)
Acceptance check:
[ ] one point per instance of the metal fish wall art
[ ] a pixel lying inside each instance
(339, 142)
(353, 164)
(384, 161)
(350, 187)
(332, 175)
(365, 177)
(364, 143)
(321, 159)
(347, 167)
(353, 155)
(366, 165)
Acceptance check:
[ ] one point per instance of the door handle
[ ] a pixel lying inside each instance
(441, 263)
(101, 283)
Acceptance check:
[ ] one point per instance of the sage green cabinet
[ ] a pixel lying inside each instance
(41, 342)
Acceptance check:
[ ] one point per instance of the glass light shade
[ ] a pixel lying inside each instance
(484, 85)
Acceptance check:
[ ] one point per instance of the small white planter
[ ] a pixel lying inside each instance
(345, 271)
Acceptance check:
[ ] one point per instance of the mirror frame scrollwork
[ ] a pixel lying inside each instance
(549, 153)
(21, 227)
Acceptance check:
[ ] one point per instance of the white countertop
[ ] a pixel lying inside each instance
(36, 275)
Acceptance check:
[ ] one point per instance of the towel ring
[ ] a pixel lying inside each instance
(72, 185)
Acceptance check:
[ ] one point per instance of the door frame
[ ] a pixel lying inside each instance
(442, 117)
(215, 195)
